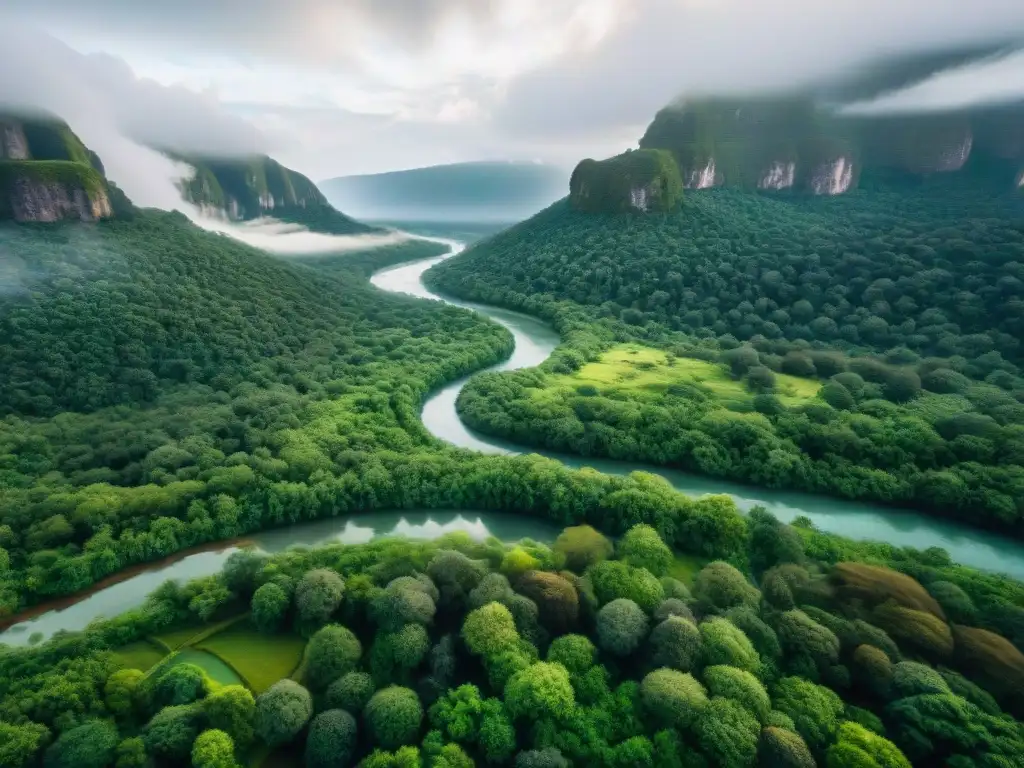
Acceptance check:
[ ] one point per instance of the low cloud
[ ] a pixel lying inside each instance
(291, 240)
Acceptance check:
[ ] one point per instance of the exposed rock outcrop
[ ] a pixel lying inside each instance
(832, 178)
(13, 144)
(703, 178)
(779, 176)
(49, 201)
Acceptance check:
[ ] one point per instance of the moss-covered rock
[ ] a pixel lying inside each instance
(644, 180)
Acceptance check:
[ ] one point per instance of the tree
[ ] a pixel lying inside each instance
(404, 601)
(232, 709)
(672, 606)
(910, 678)
(992, 660)
(741, 687)
(921, 631)
(856, 746)
(613, 580)
(455, 576)
(331, 742)
(728, 734)
(672, 698)
(784, 748)
(121, 692)
(719, 587)
(676, 643)
(332, 651)
(489, 630)
(814, 709)
(556, 599)
(282, 711)
(493, 588)
(350, 692)
(801, 635)
(541, 690)
(838, 396)
(90, 745)
(574, 652)
(179, 684)
(402, 651)
(541, 758)
(724, 643)
(241, 570)
(270, 606)
(213, 749)
(131, 753)
(582, 546)
(956, 603)
(642, 547)
(19, 744)
(171, 732)
(873, 669)
(318, 595)
(393, 716)
(621, 627)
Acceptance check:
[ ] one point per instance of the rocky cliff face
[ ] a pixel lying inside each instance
(13, 143)
(643, 181)
(49, 201)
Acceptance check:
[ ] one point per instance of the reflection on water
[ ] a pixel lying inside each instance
(359, 529)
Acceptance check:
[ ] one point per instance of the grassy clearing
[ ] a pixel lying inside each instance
(217, 670)
(260, 659)
(179, 638)
(647, 372)
(142, 655)
(685, 568)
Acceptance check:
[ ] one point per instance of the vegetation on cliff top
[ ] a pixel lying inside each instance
(646, 180)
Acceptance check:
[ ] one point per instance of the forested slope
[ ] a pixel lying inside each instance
(906, 300)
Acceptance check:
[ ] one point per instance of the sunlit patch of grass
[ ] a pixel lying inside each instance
(143, 655)
(685, 568)
(260, 659)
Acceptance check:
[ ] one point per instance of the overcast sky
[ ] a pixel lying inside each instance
(333, 87)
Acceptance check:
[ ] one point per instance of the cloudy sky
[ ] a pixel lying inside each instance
(333, 87)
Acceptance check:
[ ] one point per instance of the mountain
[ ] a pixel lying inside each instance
(47, 174)
(243, 189)
(480, 191)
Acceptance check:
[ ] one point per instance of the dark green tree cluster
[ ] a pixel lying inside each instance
(644, 180)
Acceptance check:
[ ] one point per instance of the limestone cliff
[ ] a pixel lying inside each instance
(48, 175)
(642, 181)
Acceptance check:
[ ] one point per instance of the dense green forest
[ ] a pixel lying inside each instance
(904, 304)
(588, 652)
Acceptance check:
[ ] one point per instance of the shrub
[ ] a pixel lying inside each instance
(455, 576)
(990, 658)
(121, 692)
(282, 711)
(724, 643)
(965, 689)
(728, 734)
(741, 687)
(131, 753)
(213, 749)
(921, 631)
(800, 634)
(541, 758)
(518, 561)
(782, 748)
(814, 709)
(269, 607)
(318, 595)
(956, 604)
(179, 684)
(671, 698)
(676, 643)
(674, 589)
(332, 651)
(875, 585)
(719, 587)
(582, 547)
(857, 746)
(331, 742)
(493, 588)
(171, 732)
(621, 627)
(775, 591)
(90, 745)
(20, 744)
(574, 652)
(866, 718)
(912, 679)
(873, 669)
(542, 690)
(556, 599)
(642, 547)
(350, 692)
(231, 709)
(490, 630)
(761, 636)
(393, 716)
(614, 580)
(403, 650)
(672, 607)
(838, 396)
(404, 601)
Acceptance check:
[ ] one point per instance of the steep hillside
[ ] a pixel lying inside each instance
(485, 191)
(47, 174)
(253, 187)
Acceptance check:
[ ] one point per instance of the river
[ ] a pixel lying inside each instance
(536, 340)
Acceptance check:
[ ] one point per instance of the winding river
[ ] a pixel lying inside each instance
(536, 340)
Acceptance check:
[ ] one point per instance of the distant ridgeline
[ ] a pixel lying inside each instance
(47, 174)
(795, 144)
(243, 189)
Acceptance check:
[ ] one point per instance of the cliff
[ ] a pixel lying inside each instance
(644, 180)
(249, 188)
(796, 143)
(48, 175)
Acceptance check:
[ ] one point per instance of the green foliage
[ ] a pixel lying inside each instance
(783, 748)
(232, 709)
(19, 744)
(318, 595)
(541, 758)
(214, 749)
(642, 547)
(574, 652)
(741, 687)
(873, 669)
(722, 642)
(350, 692)
(398, 652)
(607, 186)
(728, 733)
(910, 678)
(121, 692)
(814, 709)
(393, 716)
(332, 651)
(613, 580)
(956, 604)
(539, 691)
(489, 630)
(582, 546)
(676, 643)
(801, 635)
(455, 576)
(405, 600)
(857, 746)
(555, 597)
(621, 627)
(170, 734)
(720, 586)
(331, 742)
(919, 630)
(90, 745)
(672, 698)
(282, 711)
(270, 606)
(131, 753)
